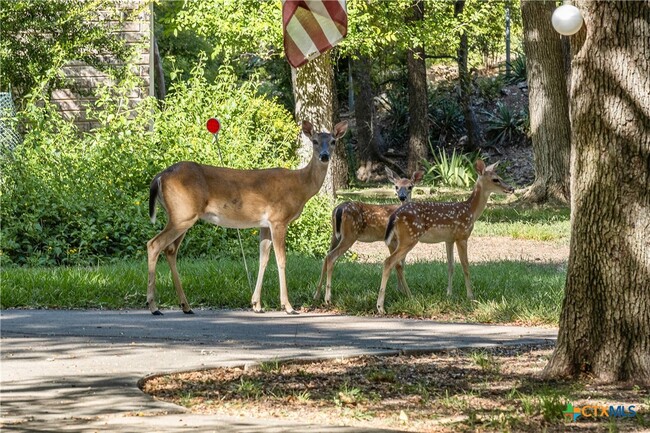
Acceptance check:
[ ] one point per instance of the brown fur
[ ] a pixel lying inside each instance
(354, 221)
(266, 198)
(432, 222)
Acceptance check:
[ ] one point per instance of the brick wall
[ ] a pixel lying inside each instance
(72, 101)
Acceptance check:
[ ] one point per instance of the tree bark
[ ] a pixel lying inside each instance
(418, 102)
(315, 98)
(367, 145)
(465, 85)
(161, 89)
(605, 321)
(548, 103)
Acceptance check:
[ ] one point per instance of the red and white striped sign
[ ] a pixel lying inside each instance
(312, 27)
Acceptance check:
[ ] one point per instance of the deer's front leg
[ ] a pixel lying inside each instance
(265, 248)
(450, 266)
(462, 255)
(278, 235)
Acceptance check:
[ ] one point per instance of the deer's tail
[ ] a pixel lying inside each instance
(338, 216)
(388, 238)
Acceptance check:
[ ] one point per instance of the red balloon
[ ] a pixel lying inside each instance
(213, 125)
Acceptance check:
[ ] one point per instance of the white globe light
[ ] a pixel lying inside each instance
(567, 20)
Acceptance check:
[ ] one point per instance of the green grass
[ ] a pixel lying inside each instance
(505, 291)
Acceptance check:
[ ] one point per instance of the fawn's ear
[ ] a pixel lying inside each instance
(307, 128)
(392, 176)
(340, 129)
(417, 176)
(480, 166)
(492, 167)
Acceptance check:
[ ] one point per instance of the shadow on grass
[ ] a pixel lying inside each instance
(493, 389)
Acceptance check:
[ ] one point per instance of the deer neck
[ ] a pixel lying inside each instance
(477, 201)
(313, 174)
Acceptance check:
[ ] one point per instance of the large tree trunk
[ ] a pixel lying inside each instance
(368, 134)
(548, 103)
(363, 113)
(465, 85)
(605, 320)
(315, 97)
(417, 87)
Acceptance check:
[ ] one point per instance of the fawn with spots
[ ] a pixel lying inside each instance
(433, 222)
(354, 221)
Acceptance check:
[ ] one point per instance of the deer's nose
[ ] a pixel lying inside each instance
(324, 156)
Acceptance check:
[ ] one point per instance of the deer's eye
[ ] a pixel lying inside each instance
(396, 188)
(410, 188)
(315, 141)
(495, 180)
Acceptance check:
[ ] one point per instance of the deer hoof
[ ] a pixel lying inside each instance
(188, 312)
(259, 310)
(292, 313)
(157, 313)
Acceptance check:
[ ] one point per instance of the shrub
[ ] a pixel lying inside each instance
(445, 117)
(518, 72)
(505, 126)
(455, 170)
(490, 87)
(69, 197)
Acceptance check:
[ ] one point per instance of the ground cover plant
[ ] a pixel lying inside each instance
(468, 390)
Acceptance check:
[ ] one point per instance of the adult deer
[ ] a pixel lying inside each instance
(432, 222)
(268, 198)
(354, 221)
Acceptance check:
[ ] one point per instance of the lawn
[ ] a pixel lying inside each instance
(507, 291)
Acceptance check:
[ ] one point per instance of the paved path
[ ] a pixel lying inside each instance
(77, 371)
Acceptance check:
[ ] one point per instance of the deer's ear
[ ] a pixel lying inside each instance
(480, 166)
(417, 176)
(391, 175)
(340, 129)
(492, 167)
(307, 128)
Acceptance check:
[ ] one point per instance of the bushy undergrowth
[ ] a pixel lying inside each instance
(74, 198)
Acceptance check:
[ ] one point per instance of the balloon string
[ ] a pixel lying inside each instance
(241, 245)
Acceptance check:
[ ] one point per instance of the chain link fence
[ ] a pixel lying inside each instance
(9, 137)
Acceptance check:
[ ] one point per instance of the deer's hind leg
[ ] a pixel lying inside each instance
(450, 266)
(333, 243)
(402, 286)
(170, 253)
(155, 246)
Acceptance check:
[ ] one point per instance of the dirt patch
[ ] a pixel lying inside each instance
(471, 390)
(480, 249)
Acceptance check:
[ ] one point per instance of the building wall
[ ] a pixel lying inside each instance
(72, 101)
